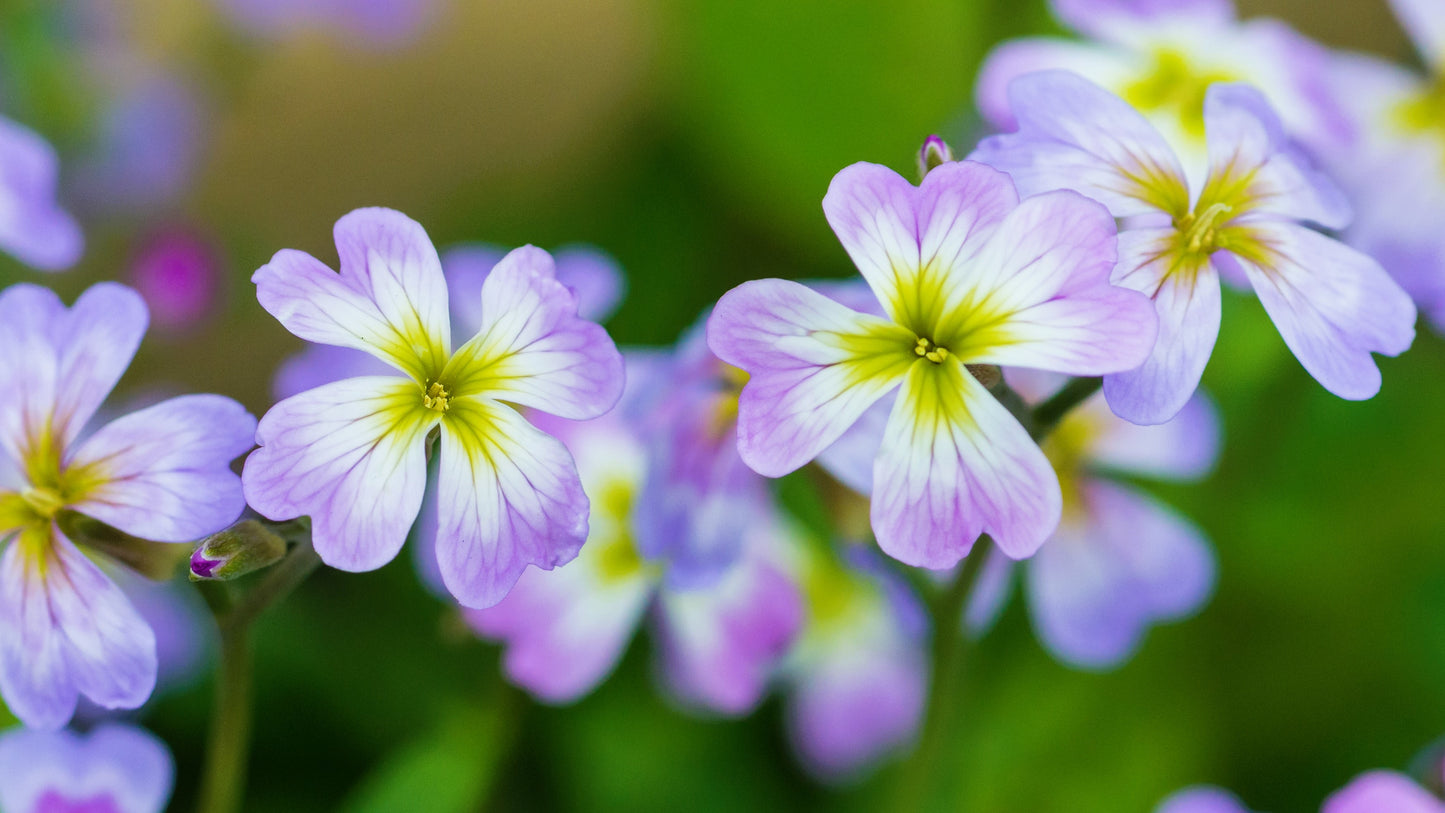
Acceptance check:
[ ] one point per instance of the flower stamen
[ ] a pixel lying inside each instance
(43, 501)
(930, 351)
(436, 397)
(1200, 230)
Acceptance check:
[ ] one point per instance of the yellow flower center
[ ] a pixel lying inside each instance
(1424, 114)
(724, 413)
(1199, 231)
(436, 397)
(45, 502)
(617, 556)
(1173, 85)
(928, 350)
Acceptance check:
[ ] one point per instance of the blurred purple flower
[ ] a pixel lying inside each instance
(147, 147)
(1383, 792)
(1333, 305)
(113, 769)
(1162, 56)
(177, 273)
(967, 274)
(565, 630)
(591, 275)
(161, 473)
(1395, 169)
(33, 227)
(352, 454)
(379, 23)
(1119, 561)
(1202, 799)
(858, 675)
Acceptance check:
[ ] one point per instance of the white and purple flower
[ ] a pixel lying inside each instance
(565, 630)
(113, 769)
(967, 275)
(858, 677)
(160, 473)
(1394, 169)
(352, 454)
(1162, 56)
(1248, 221)
(1202, 799)
(33, 227)
(1120, 561)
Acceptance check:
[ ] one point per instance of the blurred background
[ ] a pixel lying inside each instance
(693, 141)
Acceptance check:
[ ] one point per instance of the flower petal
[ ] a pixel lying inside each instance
(319, 364)
(1073, 134)
(164, 473)
(1103, 579)
(721, 643)
(126, 767)
(351, 455)
(390, 298)
(1378, 791)
(902, 237)
(565, 629)
(67, 630)
(1247, 145)
(1202, 799)
(1186, 298)
(1039, 296)
(1123, 21)
(533, 349)
(1333, 306)
(955, 464)
(1104, 66)
(33, 227)
(1424, 21)
(588, 272)
(510, 496)
(1184, 448)
(850, 458)
(815, 367)
(59, 364)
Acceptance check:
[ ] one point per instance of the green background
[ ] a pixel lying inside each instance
(693, 140)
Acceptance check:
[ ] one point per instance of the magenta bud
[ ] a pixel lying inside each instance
(935, 151)
(243, 548)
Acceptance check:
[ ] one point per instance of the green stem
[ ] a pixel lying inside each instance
(223, 782)
(1047, 415)
(914, 779)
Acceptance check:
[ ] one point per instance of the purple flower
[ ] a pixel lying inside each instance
(1202, 799)
(352, 454)
(148, 143)
(177, 273)
(967, 274)
(859, 672)
(1119, 561)
(1162, 56)
(1333, 305)
(160, 473)
(33, 227)
(1395, 169)
(1380, 791)
(565, 630)
(384, 23)
(591, 275)
(113, 769)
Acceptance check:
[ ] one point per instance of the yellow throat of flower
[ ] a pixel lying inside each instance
(1173, 85)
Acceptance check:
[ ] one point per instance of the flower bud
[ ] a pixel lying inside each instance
(242, 548)
(933, 154)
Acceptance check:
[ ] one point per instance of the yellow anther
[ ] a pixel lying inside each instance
(930, 351)
(1199, 230)
(436, 397)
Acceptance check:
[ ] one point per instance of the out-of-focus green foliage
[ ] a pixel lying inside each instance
(694, 141)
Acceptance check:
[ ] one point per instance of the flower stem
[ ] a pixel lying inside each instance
(1044, 417)
(915, 775)
(223, 782)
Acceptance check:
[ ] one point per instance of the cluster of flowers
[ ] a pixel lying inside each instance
(1089, 239)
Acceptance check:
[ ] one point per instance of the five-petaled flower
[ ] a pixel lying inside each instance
(161, 473)
(352, 454)
(967, 274)
(1332, 304)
